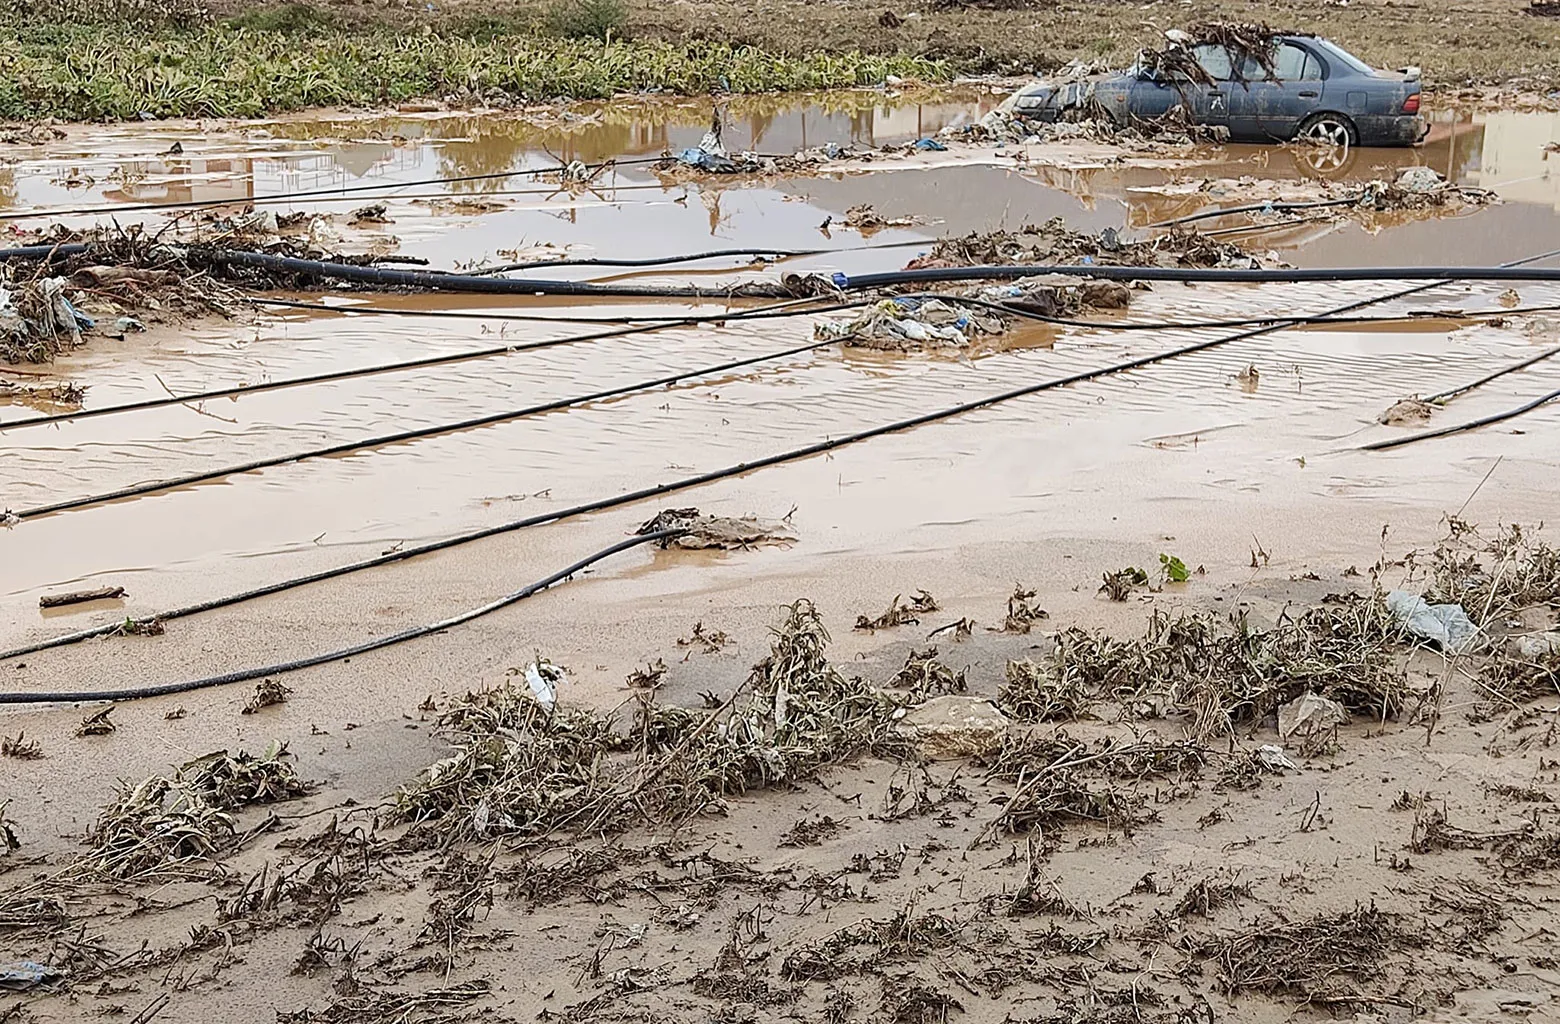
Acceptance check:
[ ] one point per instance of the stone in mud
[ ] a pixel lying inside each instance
(953, 726)
(1408, 412)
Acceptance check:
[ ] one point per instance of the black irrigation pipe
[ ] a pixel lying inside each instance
(790, 308)
(657, 490)
(154, 486)
(1444, 396)
(282, 197)
(697, 257)
(1483, 421)
(413, 633)
(941, 275)
(780, 309)
(1292, 321)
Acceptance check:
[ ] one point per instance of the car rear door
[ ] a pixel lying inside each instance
(1204, 103)
(1267, 108)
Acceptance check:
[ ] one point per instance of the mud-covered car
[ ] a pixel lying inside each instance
(1283, 87)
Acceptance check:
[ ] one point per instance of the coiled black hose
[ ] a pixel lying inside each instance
(377, 643)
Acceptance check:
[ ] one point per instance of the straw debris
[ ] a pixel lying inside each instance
(925, 676)
(1034, 693)
(716, 532)
(1307, 958)
(1022, 614)
(20, 747)
(1054, 243)
(97, 723)
(268, 693)
(900, 613)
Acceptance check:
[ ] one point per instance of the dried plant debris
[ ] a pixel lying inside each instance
(20, 747)
(720, 532)
(160, 826)
(710, 641)
(240, 780)
(1311, 959)
(900, 613)
(1493, 579)
(98, 723)
(1206, 895)
(433, 1006)
(1022, 613)
(812, 831)
(911, 1002)
(268, 693)
(1055, 244)
(1530, 854)
(1119, 585)
(520, 768)
(925, 676)
(9, 840)
(1036, 693)
(649, 677)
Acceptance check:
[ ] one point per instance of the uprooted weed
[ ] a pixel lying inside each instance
(1228, 677)
(179, 826)
(1492, 580)
(924, 675)
(521, 768)
(1206, 895)
(1306, 958)
(900, 613)
(1033, 693)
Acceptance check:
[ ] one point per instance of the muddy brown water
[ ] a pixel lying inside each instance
(1051, 489)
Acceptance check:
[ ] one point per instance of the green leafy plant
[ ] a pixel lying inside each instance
(1172, 569)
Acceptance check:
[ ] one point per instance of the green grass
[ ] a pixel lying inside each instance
(112, 72)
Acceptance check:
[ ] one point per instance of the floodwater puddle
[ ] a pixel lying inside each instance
(1185, 434)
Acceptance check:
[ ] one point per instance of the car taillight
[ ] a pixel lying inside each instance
(1411, 105)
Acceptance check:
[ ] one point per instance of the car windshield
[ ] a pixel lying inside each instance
(1343, 56)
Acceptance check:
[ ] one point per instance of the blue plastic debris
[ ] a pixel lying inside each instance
(930, 144)
(24, 974)
(840, 280)
(706, 161)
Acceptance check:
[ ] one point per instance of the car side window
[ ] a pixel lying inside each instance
(1290, 64)
(1215, 60)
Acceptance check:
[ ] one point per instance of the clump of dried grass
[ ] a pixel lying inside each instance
(20, 747)
(1306, 958)
(1491, 580)
(900, 613)
(924, 676)
(1206, 895)
(244, 780)
(1022, 613)
(1034, 693)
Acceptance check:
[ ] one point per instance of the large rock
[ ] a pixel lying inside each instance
(952, 726)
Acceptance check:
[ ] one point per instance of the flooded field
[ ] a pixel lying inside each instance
(1243, 460)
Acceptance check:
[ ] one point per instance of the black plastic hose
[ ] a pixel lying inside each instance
(377, 643)
(942, 275)
(154, 486)
(1445, 396)
(790, 308)
(1254, 208)
(657, 490)
(1483, 421)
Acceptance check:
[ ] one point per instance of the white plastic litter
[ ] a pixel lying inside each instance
(544, 677)
(1445, 624)
(1310, 714)
(1274, 759)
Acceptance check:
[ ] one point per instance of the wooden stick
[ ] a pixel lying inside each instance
(78, 596)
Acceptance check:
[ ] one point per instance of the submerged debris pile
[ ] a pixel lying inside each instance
(1054, 244)
(910, 323)
(700, 531)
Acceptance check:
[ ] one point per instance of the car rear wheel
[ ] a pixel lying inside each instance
(1329, 130)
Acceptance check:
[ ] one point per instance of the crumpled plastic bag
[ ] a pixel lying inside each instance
(1445, 624)
(1310, 714)
(24, 974)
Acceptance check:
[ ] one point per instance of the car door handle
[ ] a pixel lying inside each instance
(1309, 94)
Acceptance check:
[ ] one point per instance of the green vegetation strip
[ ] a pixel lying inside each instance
(118, 72)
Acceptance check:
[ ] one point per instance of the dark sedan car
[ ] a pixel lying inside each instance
(1303, 87)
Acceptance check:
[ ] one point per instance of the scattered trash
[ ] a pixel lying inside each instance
(1310, 715)
(1054, 243)
(544, 678)
(37, 320)
(1420, 179)
(1406, 412)
(1273, 758)
(867, 220)
(80, 597)
(908, 323)
(952, 726)
(1509, 298)
(930, 145)
(1538, 645)
(24, 975)
(719, 532)
(126, 324)
(1445, 624)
